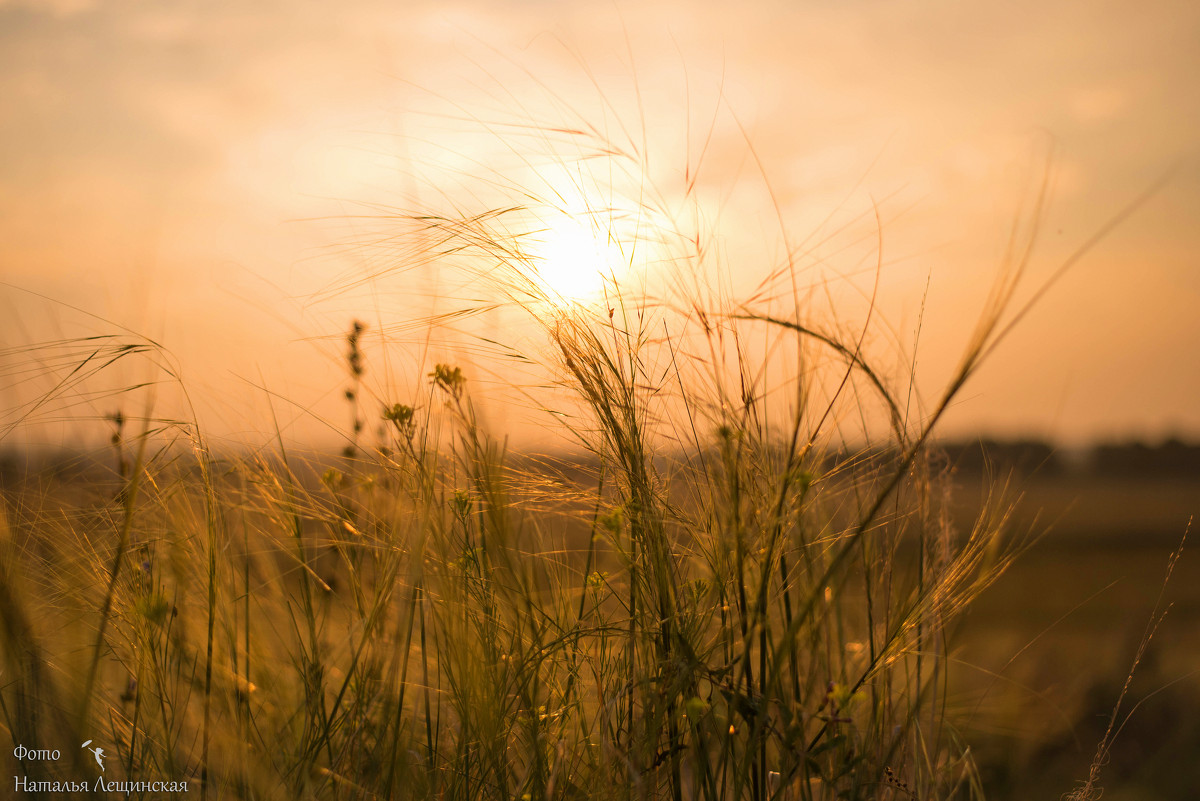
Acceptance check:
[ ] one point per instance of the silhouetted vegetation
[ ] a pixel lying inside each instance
(1029, 457)
(1024, 456)
(1171, 457)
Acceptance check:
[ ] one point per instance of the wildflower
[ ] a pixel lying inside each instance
(462, 504)
(332, 479)
(401, 416)
(449, 379)
(613, 521)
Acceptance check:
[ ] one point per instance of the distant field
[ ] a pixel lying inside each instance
(1080, 509)
(1052, 640)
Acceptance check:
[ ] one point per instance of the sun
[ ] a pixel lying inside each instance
(574, 260)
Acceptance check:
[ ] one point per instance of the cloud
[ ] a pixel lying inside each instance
(1100, 103)
(59, 9)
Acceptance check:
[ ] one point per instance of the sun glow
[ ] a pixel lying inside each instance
(574, 260)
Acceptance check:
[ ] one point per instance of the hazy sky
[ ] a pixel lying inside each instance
(204, 173)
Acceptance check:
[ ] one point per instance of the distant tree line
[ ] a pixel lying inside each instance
(1172, 457)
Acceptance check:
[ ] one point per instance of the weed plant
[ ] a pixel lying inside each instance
(719, 601)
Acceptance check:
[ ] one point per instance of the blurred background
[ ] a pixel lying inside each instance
(202, 173)
(227, 180)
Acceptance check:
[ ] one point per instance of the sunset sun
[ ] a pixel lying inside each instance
(574, 260)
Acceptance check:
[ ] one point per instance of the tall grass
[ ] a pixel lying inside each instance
(719, 601)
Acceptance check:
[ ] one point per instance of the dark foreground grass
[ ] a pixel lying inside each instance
(435, 623)
(719, 608)
(744, 618)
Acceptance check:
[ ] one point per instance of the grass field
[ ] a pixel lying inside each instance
(303, 692)
(424, 616)
(1061, 628)
(713, 598)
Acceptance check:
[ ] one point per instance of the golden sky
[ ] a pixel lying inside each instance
(206, 173)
